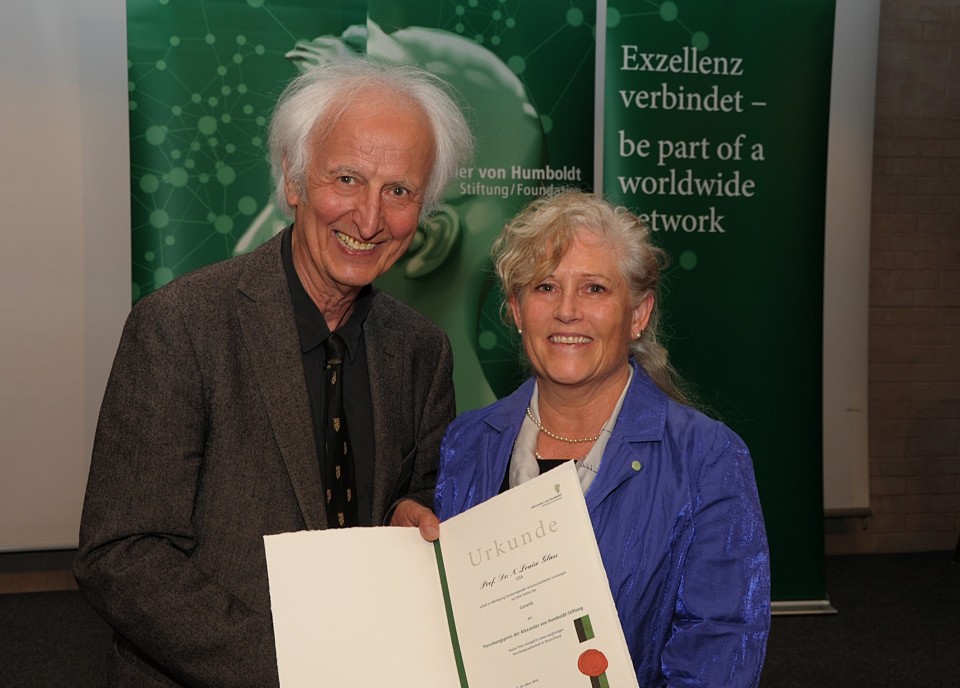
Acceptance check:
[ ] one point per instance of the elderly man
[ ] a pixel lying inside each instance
(214, 428)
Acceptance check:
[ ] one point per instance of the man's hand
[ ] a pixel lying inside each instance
(411, 513)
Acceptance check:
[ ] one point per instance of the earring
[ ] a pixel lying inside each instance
(519, 331)
(638, 335)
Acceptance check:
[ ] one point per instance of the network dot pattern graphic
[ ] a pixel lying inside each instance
(669, 13)
(203, 78)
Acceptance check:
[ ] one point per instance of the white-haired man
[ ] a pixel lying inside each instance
(212, 429)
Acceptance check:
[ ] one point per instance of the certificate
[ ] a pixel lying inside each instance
(513, 594)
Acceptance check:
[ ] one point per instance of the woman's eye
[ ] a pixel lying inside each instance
(544, 288)
(596, 288)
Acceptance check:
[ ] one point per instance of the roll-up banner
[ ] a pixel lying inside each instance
(726, 166)
(715, 129)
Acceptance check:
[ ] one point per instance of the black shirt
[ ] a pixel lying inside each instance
(312, 330)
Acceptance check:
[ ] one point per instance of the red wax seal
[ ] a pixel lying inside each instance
(592, 663)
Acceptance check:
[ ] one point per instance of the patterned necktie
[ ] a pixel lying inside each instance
(339, 478)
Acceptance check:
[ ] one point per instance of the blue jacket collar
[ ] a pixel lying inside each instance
(642, 417)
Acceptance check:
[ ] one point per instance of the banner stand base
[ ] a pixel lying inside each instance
(801, 607)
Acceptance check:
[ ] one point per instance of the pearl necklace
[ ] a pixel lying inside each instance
(568, 440)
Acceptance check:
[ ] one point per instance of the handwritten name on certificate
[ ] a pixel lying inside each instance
(513, 595)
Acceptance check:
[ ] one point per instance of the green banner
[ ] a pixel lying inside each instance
(715, 128)
(204, 77)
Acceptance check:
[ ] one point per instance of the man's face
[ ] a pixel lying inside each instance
(358, 207)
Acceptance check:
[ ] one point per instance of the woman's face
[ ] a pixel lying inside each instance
(577, 322)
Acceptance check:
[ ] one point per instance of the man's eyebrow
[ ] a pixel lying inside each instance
(345, 169)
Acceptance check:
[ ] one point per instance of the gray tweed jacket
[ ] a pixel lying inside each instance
(205, 445)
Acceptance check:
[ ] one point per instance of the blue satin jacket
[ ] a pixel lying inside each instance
(675, 510)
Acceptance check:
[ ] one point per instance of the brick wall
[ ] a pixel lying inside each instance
(914, 349)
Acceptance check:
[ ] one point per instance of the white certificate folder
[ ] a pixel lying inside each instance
(514, 594)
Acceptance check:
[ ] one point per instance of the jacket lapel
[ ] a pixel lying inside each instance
(641, 421)
(265, 313)
(496, 444)
(385, 362)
